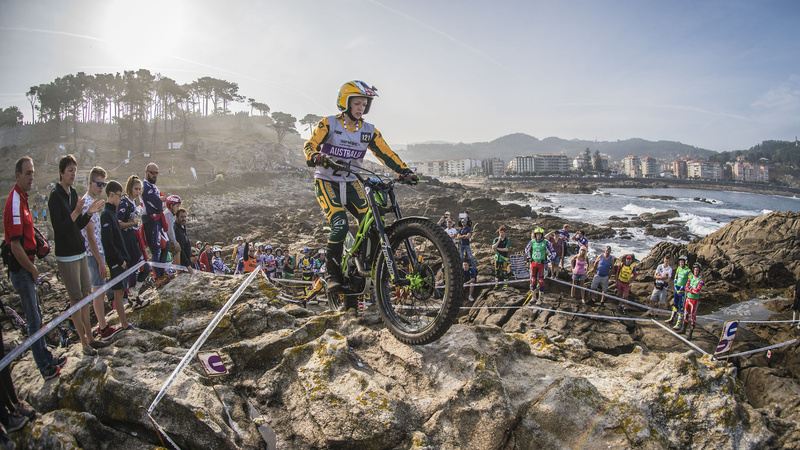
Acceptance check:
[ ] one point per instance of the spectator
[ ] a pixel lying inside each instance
(288, 266)
(116, 253)
(269, 262)
(20, 236)
(182, 239)
(564, 233)
(663, 275)
(238, 250)
(443, 221)
(693, 287)
(538, 253)
(470, 277)
(249, 262)
(625, 273)
(602, 267)
(94, 251)
(319, 263)
(451, 231)
(68, 220)
(154, 222)
(217, 263)
(580, 263)
(14, 413)
(681, 276)
(796, 302)
(464, 237)
(194, 259)
(501, 246)
(465, 215)
(170, 215)
(205, 257)
(555, 240)
(581, 240)
(129, 221)
(280, 260)
(306, 264)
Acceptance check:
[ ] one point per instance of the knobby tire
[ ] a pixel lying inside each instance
(424, 314)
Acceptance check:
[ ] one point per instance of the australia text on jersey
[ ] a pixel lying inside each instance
(340, 152)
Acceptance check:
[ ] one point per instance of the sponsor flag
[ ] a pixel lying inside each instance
(728, 335)
(212, 363)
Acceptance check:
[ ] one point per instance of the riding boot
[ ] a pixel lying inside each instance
(671, 316)
(683, 328)
(334, 266)
(691, 330)
(678, 322)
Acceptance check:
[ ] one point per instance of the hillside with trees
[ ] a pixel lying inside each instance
(520, 144)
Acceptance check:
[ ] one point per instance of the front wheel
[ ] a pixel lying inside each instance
(422, 311)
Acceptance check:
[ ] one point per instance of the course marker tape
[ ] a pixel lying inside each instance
(13, 354)
(762, 349)
(679, 336)
(202, 339)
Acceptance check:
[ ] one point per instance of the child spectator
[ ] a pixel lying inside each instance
(579, 264)
(115, 252)
(280, 260)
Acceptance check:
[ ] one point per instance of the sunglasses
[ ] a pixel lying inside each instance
(194, 254)
(100, 184)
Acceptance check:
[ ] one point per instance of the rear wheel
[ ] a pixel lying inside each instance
(422, 311)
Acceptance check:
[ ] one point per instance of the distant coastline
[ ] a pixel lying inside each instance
(588, 185)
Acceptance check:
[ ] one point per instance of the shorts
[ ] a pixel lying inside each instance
(75, 278)
(94, 271)
(623, 288)
(659, 295)
(578, 277)
(116, 271)
(556, 260)
(598, 280)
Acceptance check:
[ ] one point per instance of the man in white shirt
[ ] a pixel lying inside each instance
(663, 275)
(451, 230)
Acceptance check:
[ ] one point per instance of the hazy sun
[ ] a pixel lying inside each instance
(141, 33)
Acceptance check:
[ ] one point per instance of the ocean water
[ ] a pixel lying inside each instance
(701, 217)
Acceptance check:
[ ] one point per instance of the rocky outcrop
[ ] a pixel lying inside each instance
(754, 252)
(334, 380)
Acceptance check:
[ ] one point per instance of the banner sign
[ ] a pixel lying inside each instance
(212, 363)
(728, 335)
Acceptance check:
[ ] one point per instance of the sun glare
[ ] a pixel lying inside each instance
(142, 33)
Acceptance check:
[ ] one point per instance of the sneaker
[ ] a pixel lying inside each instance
(15, 422)
(131, 328)
(649, 315)
(620, 308)
(160, 281)
(625, 310)
(108, 332)
(51, 373)
(471, 298)
(89, 351)
(25, 409)
(98, 344)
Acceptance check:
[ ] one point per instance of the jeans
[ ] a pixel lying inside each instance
(26, 287)
(466, 253)
(152, 230)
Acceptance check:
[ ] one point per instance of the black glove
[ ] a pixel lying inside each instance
(317, 159)
(408, 176)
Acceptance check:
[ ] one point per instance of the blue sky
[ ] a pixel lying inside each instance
(722, 75)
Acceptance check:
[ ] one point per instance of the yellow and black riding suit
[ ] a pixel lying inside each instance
(337, 190)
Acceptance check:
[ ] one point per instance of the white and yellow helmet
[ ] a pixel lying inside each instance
(355, 88)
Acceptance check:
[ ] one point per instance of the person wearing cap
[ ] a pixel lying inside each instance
(153, 220)
(170, 214)
(268, 262)
(626, 272)
(443, 221)
(693, 286)
(501, 246)
(538, 253)
(306, 264)
(681, 275)
(319, 263)
(464, 237)
(238, 250)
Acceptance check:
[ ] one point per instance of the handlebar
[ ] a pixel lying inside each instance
(409, 179)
